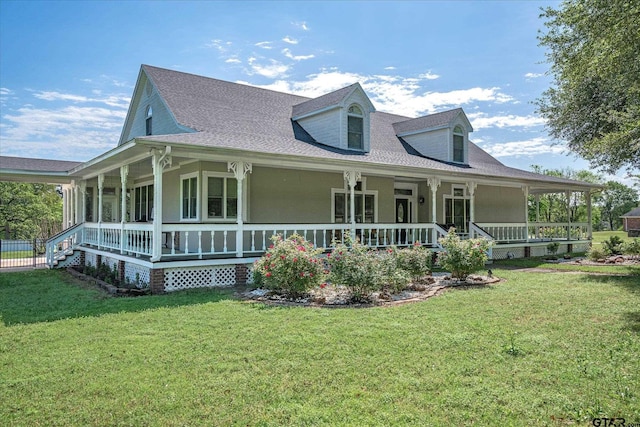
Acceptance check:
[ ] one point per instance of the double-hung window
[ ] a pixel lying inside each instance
(355, 125)
(365, 205)
(222, 196)
(143, 203)
(189, 196)
(458, 144)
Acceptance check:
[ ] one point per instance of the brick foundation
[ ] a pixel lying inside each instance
(156, 281)
(121, 271)
(83, 259)
(242, 274)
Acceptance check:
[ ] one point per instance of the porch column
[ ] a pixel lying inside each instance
(471, 187)
(433, 184)
(124, 172)
(352, 177)
(525, 190)
(100, 187)
(240, 171)
(65, 199)
(159, 160)
(587, 196)
(568, 196)
(83, 201)
(76, 203)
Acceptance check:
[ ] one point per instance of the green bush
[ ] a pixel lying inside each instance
(462, 257)
(631, 247)
(613, 246)
(394, 277)
(291, 266)
(595, 253)
(416, 260)
(356, 267)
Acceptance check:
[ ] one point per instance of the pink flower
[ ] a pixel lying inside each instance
(271, 247)
(295, 260)
(324, 285)
(268, 255)
(301, 274)
(282, 257)
(268, 274)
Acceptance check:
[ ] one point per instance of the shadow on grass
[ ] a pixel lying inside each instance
(49, 295)
(630, 284)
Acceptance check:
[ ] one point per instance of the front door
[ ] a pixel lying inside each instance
(403, 216)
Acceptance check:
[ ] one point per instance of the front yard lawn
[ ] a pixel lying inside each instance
(536, 349)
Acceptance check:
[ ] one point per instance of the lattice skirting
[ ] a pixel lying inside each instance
(199, 277)
(508, 253)
(111, 262)
(137, 274)
(90, 259)
(70, 260)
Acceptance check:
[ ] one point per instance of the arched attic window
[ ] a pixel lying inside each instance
(355, 128)
(458, 144)
(148, 120)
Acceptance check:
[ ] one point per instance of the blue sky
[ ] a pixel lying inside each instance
(67, 69)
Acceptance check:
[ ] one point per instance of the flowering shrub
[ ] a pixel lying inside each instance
(416, 260)
(357, 267)
(290, 266)
(631, 247)
(462, 257)
(394, 277)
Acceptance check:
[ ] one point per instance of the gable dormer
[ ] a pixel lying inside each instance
(148, 112)
(441, 136)
(339, 119)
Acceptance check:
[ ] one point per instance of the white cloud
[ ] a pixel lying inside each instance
(289, 40)
(390, 93)
(218, 44)
(302, 25)
(264, 45)
(119, 101)
(5, 91)
(72, 132)
(482, 121)
(530, 76)
(429, 76)
(272, 70)
(232, 61)
(528, 148)
(286, 52)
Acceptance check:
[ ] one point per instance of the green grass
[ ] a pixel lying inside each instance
(528, 351)
(601, 236)
(540, 262)
(16, 254)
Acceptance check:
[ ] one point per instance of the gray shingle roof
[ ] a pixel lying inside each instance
(252, 119)
(329, 100)
(633, 212)
(426, 122)
(36, 165)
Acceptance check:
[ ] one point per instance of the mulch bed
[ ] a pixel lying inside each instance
(339, 297)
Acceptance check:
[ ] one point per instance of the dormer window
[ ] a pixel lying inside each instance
(458, 144)
(355, 125)
(148, 120)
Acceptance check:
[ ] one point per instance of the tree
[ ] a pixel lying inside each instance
(616, 200)
(594, 103)
(29, 211)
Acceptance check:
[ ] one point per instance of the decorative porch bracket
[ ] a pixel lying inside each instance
(352, 178)
(160, 159)
(240, 171)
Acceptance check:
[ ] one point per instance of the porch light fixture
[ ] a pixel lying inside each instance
(421, 200)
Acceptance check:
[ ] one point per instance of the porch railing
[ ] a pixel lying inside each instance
(205, 240)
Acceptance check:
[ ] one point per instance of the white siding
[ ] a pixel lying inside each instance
(324, 127)
(434, 144)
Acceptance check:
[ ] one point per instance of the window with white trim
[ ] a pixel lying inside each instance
(457, 208)
(355, 125)
(366, 205)
(143, 202)
(189, 196)
(148, 121)
(458, 144)
(221, 191)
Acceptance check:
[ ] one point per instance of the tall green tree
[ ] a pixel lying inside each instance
(29, 211)
(593, 47)
(616, 200)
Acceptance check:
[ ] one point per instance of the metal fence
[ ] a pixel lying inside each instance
(23, 253)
